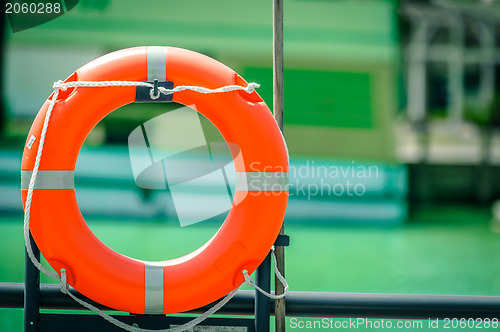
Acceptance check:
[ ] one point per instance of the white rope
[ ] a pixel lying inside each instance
(27, 208)
(64, 285)
(250, 88)
(251, 283)
(90, 84)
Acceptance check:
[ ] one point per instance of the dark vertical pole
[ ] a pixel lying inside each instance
(31, 291)
(262, 303)
(278, 108)
(278, 95)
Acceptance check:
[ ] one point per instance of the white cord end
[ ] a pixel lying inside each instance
(64, 283)
(248, 280)
(251, 87)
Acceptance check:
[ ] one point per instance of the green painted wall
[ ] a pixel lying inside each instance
(322, 98)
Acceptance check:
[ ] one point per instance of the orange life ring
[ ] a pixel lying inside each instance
(181, 284)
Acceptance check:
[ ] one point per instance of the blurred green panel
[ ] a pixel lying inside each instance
(341, 111)
(341, 61)
(228, 30)
(321, 98)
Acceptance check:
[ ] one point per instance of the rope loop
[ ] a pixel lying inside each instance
(249, 281)
(152, 95)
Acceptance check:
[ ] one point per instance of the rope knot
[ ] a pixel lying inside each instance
(59, 85)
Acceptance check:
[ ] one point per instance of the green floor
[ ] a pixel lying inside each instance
(449, 250)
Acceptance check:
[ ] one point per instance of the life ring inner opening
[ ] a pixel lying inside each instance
(188, 186)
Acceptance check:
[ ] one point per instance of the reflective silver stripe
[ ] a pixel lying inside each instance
(157, 63)
(262, 181)
(153, 287)
(49, 179)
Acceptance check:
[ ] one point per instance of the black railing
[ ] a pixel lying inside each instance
(33, 296)
(310, 304)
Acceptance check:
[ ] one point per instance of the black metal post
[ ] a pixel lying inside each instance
(32, 291)
(262, 303)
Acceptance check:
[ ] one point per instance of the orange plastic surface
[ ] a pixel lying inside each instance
(208, 273)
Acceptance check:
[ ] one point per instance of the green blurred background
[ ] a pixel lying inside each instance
(409, 88)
